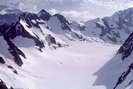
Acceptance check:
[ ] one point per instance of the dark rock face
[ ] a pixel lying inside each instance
(13, 28)
(15, 52)
(50, 39)
(124, 75)
(127, 48)
(3, 85)
(28, 17)
(13, 69)
(2, 60)
(44, 15)
(10, 32)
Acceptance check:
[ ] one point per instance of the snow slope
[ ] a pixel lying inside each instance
(118, 71)
(70, 67)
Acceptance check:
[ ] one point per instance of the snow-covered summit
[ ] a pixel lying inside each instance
(26, 25)
(114, 29)
(43, 14)
(60, 25)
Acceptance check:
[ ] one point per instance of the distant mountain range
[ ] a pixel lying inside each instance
(23, 30)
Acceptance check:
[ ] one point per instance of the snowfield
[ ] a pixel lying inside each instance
(71, 67)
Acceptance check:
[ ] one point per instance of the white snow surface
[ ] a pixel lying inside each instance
(71, 67)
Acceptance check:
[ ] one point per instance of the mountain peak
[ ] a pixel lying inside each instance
(43, 11)
(43, 14)
(61, 18)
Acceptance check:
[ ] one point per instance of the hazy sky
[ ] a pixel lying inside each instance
(74, 9)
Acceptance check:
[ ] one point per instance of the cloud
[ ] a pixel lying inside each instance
(114, 4)
(77, 15)
(90, 9)
(53, 11)
(74, 9)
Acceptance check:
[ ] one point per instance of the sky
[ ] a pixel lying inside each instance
(79, 10)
